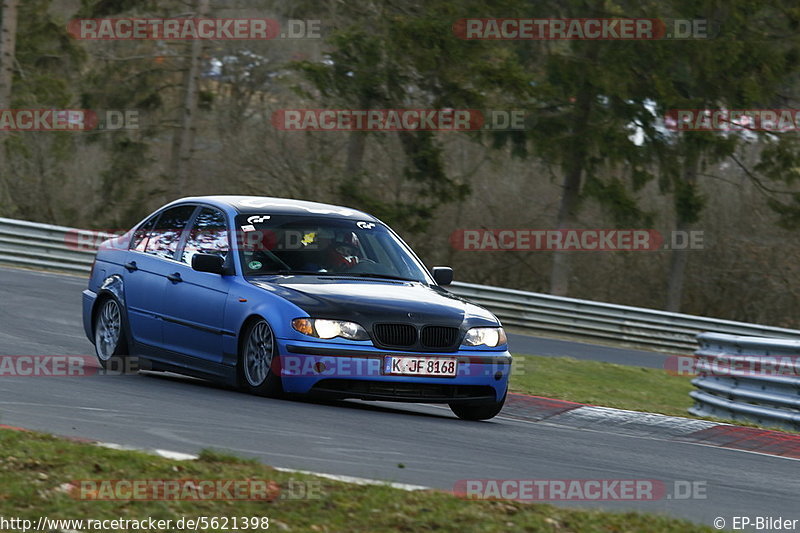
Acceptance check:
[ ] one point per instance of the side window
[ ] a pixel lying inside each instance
(140, 236)
(209, 235)
(166, 235)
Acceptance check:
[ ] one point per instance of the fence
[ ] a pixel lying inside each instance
(591, 321)
(748, 378)
(67, 249)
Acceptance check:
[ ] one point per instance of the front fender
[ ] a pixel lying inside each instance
(246, 301)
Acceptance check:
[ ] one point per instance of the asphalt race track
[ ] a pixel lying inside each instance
(407, 443)
(524, 344)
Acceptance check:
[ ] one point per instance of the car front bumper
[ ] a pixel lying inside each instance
(332, 370)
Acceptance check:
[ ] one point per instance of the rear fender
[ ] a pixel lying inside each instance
(113, 286)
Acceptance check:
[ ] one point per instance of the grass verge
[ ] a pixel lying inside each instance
(624, 387)
(651, 390)
(36, 468)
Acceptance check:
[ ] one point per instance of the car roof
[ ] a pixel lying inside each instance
(284, 206)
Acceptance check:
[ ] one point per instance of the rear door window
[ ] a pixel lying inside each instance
(140, 236)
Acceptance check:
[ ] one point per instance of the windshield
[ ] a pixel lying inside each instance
(281, 244)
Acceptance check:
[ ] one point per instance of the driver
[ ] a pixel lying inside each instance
(344, 252)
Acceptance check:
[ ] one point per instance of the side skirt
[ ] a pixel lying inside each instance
(158, 359)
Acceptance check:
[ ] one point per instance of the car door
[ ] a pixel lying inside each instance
(152, 252)
(194, 302)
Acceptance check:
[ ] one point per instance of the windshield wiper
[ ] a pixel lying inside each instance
(287, 272)
(373, 275)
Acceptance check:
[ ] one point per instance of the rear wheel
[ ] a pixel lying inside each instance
(110, 345)
(258, 367)
(478, 410)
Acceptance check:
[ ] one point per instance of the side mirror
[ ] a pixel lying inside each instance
(442, 275)
(208, 263)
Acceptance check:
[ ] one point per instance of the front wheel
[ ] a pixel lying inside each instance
(259, 365)
(478, 410)
(110, 345)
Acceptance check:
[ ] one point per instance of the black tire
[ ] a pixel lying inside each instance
(258, 368)
(478, 410)
(110, 336)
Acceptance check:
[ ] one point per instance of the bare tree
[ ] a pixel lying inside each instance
(8, 41)
(183, 139)
(679, 259)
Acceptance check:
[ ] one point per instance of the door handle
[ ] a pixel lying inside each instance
(175, 277)
(130, 266)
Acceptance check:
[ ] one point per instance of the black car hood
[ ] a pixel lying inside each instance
(369, 301)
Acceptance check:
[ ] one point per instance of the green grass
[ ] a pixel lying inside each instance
(33, 467)
(651, 390)
(624, 387)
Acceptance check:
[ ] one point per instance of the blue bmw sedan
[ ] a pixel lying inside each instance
(280, 296)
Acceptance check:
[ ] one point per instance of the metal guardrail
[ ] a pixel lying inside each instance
(45, 246)
(755, 379)
(63, 249)
(639, 327)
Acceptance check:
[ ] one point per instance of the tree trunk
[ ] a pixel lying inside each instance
(8, 41)
(567, 218)
(570, 195)
(679, 259)
(356, 147)
(677, 271)
(183, 139)
(356, 144)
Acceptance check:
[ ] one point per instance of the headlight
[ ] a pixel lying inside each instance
(485, 337)
(328, 329)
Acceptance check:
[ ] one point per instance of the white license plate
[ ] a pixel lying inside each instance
(420, 366)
